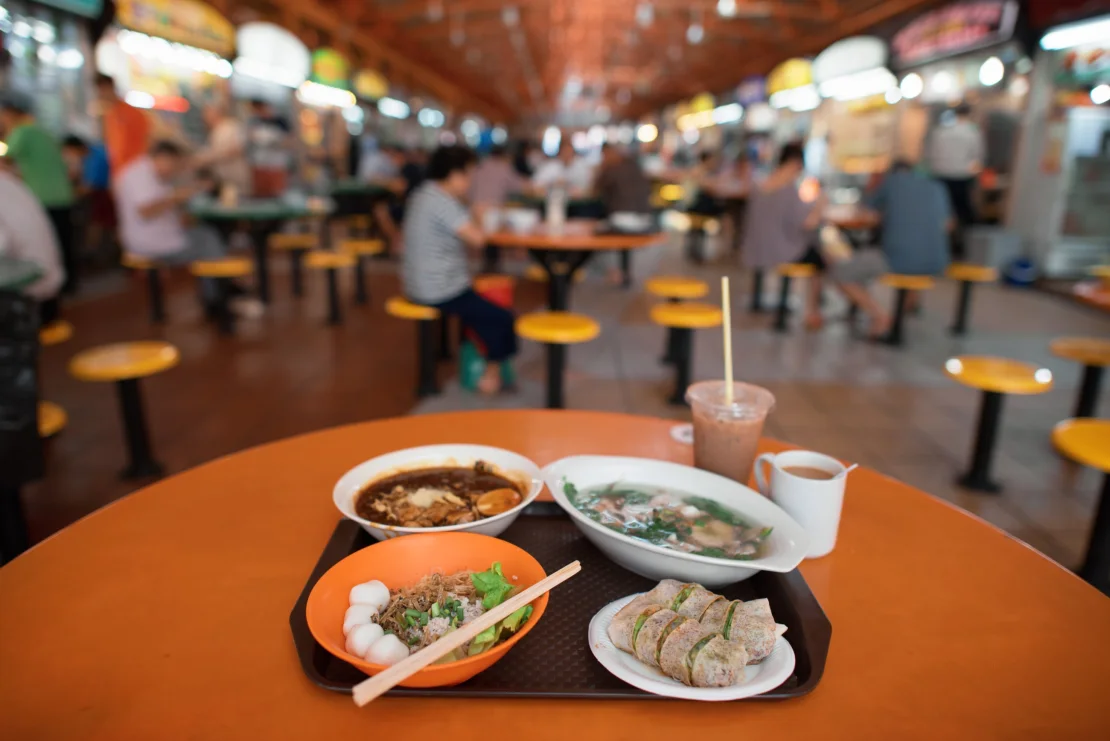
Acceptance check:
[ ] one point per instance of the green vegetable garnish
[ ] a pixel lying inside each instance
(666, 634)
(717, 510)
(515, 620)
(693, 655)
(483, 641)
(636, 628)
(492, 585)
(727, 627)
(681, 596)
(712, 553)
(436, 611)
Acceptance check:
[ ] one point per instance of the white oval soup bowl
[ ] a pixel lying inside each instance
(783, 550)
(512, 466)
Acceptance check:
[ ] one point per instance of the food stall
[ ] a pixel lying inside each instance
(48, 42)
(171, 57)
(321, 124)
(855, 120)
(271, 63)
(963, 52)
(1060, 205)
(792, 94)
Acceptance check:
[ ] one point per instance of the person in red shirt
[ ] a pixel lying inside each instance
(126, 128)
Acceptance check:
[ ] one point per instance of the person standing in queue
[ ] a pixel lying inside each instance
(126, 128)
(956, 158)
(437, 231)
(37, 158)
(27, 234)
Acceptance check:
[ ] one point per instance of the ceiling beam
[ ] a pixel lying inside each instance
(375, 52)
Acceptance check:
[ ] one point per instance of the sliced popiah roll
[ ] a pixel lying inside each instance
(651, 635)
(757, 635)
(718, 613)
(697, 601)
(629, 620)
(759, 608)
(665, 592)
(672, 654)
(715, 662)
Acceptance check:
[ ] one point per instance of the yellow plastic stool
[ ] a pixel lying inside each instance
(52, 419)
(331, 263)
(427, 351)
(903, 284)
(556, 330)
(55, 333)
(995, 377)
(676, 287)
(286, 242)
(124, 364)
(153, 284)
(224, 267)
(788, 272)
(1094, 354)
(1087, 441)
(967, 275)
(681, 320)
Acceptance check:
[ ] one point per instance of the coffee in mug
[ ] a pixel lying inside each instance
(810, 487)
(809, 472)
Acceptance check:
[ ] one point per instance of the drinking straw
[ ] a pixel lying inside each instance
(727, 312)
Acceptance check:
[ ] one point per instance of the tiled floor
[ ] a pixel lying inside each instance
(893, 410)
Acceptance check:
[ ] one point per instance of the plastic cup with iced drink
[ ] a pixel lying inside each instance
(726, 435)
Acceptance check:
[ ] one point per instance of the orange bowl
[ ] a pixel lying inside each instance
(401, 562)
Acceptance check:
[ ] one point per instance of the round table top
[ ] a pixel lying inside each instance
(353, 186)
(260, 209)
(165, 615)
(1085, 441)
(577, 234)
(999, 375)
(1085, 350)
(851, 217)
(124, 360)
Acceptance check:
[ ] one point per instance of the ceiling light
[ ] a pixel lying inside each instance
(551, 138)
(797, 99)
(470, 127)
(695, 33)
(943, 82)
(647, 133)
(430, 118)
(1077, 34)
(1019, 87)
(313, 93)
(393, 108)
(498, 135)
(912, 86)
(991, 72)
(43, 32)
(726, 8)
(22, 29)
(645, 14)
(47, 55)
(1100, 94)
(893, 95)
(139, 99)
(435, 11)
(70, 59)
(874, 81)
(691, 136)
(510, 16)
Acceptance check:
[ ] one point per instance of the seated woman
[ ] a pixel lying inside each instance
(437, 231)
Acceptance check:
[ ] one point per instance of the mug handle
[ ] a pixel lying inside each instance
(761, 482)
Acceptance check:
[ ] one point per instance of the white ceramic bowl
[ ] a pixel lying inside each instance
(507, 463)
(784, 549)
(521, 220)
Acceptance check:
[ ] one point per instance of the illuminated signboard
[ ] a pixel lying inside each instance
(953, 30)
(184, 21)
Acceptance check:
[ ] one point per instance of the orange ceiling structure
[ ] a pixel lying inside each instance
(570, 59)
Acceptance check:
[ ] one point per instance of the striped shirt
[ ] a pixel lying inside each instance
(433, 266)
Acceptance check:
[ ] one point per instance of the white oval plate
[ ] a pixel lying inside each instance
(758, 678)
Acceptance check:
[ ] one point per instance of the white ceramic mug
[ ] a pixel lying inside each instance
(814, 503)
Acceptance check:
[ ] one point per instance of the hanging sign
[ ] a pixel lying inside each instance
(952, 30)
(271, 53)
(702, 102)
(330, 68)
(752, 90)
(184, 21)
(87, 8)
(790, 74)
(370, 84)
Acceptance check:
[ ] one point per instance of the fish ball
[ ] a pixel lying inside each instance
(357, 615)
(371, 593)
(362, 638)
(388, 651)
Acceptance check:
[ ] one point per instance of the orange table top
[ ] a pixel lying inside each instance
(577, 234)
(165, 615)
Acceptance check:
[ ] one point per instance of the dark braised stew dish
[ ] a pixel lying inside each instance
(436, 497)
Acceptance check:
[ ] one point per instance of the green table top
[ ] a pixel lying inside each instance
(355, 187)
(259, 209)
(15, 275)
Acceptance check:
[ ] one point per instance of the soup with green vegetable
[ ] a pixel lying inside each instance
(671, 519)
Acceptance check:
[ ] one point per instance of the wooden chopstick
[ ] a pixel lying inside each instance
(372, 688)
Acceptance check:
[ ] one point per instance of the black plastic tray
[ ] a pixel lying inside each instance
(558, 643)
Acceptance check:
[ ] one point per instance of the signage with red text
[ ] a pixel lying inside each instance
(954, 29)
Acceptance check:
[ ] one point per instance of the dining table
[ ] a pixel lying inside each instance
(561, 251)
(264, 216)
(165, 615)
